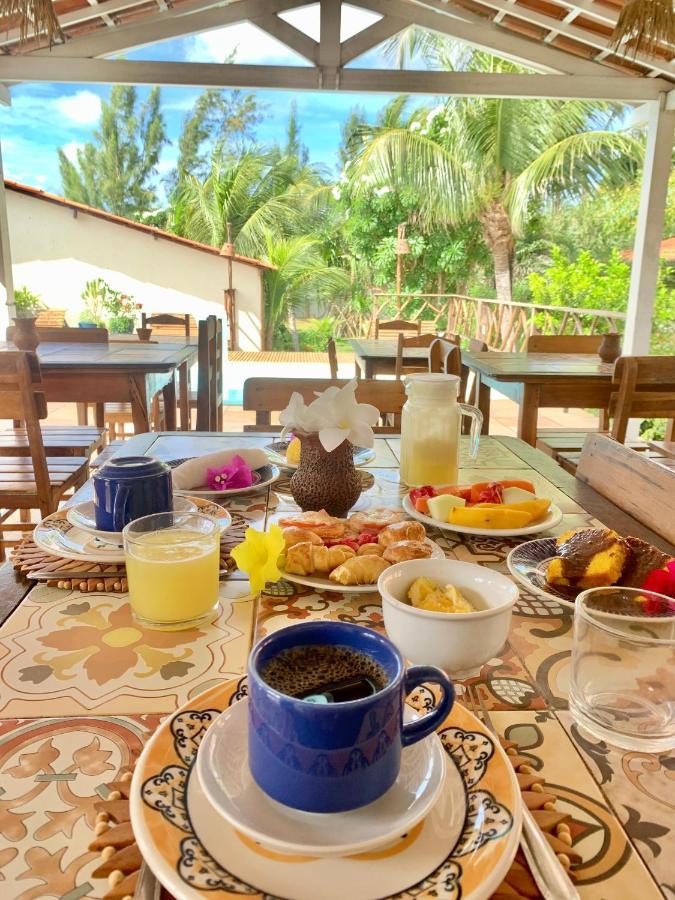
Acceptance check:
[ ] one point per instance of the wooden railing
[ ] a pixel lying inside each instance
(503, 326)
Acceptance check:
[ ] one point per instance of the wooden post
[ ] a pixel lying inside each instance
(6, 280)
(649, 229)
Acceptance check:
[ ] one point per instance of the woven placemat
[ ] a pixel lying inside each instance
(120, 858)
(28, 557)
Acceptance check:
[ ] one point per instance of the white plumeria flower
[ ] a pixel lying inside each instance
(336, 192)
(335, 414)
(381, 191)
(415, 126)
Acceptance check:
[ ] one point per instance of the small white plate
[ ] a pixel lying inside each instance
(262, 478)
(552, 519)
(528, 563)
(325, 584)
(277, 453)
(225, 777)
(82, 515)
(57, 535)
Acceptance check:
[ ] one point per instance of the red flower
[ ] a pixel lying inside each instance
(661, 581)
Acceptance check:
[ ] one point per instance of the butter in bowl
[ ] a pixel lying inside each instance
(446, 613)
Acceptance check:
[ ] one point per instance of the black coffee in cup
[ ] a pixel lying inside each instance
(324, 673)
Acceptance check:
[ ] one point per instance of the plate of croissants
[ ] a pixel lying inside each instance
(349, 555)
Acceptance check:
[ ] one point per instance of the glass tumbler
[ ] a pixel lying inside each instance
(173, 562)
(622, 686)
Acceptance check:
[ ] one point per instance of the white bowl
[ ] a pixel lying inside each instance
(459, 643)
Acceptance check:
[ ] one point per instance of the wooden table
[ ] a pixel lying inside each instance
(537, 380)
(378, 357)
(127, 372)
(667, 448)
(82, 687)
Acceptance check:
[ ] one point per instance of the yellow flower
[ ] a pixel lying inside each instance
(258, 556)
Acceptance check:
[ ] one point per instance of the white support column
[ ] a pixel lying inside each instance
(7, 310)
(649, 228)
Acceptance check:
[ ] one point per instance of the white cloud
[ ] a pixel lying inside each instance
(41, 179)
(82, 108)
(70, 149)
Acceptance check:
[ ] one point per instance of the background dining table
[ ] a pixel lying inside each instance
(128, 371)
(83, 686)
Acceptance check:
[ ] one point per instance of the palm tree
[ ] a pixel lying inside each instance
(491, 159)
(300, 274)
(257, 192)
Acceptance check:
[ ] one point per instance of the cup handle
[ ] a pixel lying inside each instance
(414, 677)
(119, 506)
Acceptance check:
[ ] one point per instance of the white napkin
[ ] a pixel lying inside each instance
(192, 473)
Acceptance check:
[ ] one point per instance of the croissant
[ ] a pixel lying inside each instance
(359, 570)
(404, 550)
(370, 550)
(402, 531)
(294, 535)
(308, 559)
(320, 523)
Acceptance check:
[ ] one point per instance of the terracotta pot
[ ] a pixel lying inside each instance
(325, 480)
(610, 347)
(144, 333)
(25, 334)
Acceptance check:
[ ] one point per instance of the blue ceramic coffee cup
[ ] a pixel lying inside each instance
(331, 757)
(129, 487)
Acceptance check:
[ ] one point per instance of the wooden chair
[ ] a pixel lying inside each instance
(60, 440)
(634, 482)
(332, 358)
(30, 480)
(394, 326)
(445, 356)
(642, 387)
(208, 399)
(170, 324)
(267, 395)
(563, 343)
(404, 343)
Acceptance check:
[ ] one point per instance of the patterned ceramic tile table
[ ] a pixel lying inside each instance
(82, 687)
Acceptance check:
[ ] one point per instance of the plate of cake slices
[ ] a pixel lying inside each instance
(560, 568)
(349, 555)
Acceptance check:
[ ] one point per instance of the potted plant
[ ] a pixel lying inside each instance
(94, 296)
(123, 310)
(27, 305)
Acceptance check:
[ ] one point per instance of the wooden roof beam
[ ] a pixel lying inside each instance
(370, 37)
(289, 35)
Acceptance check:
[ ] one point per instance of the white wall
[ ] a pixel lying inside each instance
(54, 252)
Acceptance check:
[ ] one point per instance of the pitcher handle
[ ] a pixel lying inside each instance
(476, 417)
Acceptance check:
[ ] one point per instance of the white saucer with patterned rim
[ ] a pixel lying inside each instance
(553, 518)
(528, 563)
(225, 778)
(82, 515)
(57, 535)
(277, 453)
(262, 478)
(464, 847)
(325, 584)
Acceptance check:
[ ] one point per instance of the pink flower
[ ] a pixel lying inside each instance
(233, 475)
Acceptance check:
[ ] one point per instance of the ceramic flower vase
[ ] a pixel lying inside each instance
(610, 347)
(25, 334)
(325, 480)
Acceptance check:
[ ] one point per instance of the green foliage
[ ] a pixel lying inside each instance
(583, 282)
(221, 123)
(652, 429)
(295, 148)
(115, 171)
(27, 303)
(99, 299)
(94, 296)
(316, 333)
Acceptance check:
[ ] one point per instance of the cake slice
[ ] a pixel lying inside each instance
(588, 557)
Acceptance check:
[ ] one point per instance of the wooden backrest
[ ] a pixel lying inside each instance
(446, 357)
(477, 346)
(643, 386)
(563, 343)
(210, 375)
(331, 349)
(67, 335)
(632, 481)
(22, 399)
(417, 340)
(51, 318)
(267, 395)
(170, 324)
(396, 325)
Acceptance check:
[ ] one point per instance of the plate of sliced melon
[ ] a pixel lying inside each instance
(494, 509)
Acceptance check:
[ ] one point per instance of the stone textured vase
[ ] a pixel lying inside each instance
(325, 480)
(610, 347)
(25, 334)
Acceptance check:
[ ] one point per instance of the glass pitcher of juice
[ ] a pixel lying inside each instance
(430, 429)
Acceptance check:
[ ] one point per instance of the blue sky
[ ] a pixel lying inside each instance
(44, 117)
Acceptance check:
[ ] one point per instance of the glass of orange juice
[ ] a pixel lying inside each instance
(172, 562)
